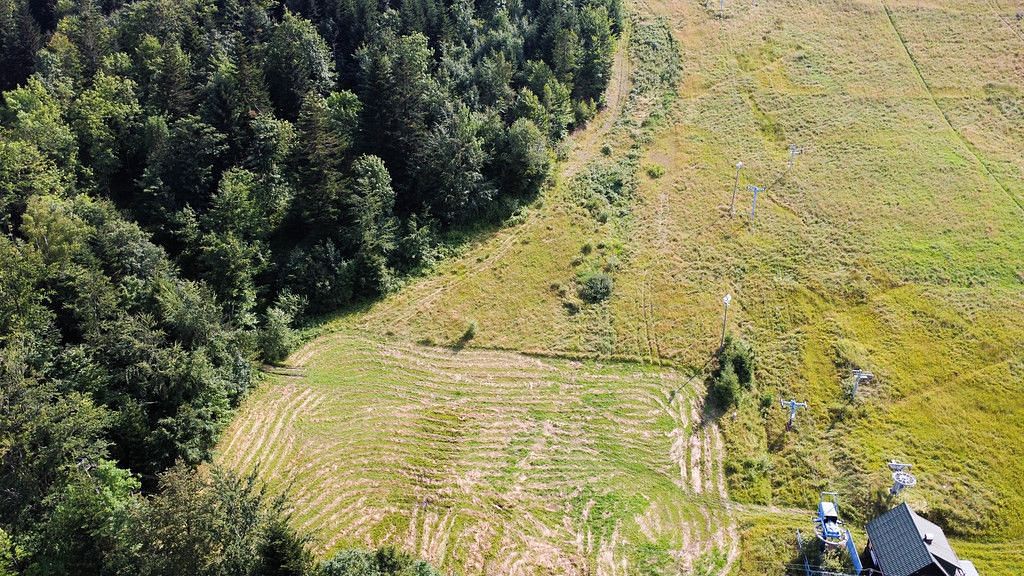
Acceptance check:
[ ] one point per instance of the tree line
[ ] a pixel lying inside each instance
(183, 181)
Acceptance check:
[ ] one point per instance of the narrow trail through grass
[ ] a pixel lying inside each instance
(945, 117)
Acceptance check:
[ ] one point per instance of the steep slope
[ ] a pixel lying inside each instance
(490, 462)
(895, 244)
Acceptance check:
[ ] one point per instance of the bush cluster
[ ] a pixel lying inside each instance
(733, 375)
(595, 287)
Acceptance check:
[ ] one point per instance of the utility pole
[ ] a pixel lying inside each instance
(753, 207)
(793, 406)
(725, 315)
(735, 186)
(860, 376)
(794, 151)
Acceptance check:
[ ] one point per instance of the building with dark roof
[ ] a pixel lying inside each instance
(901, 543)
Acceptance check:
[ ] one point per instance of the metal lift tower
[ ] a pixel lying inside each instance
(793, 406)
(735, 186)
(753, 206)
(860, 377)
(794, 151)
(901, 479)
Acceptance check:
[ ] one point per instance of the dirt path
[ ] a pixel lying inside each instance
(586, 143)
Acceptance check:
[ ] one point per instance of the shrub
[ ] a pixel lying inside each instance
(612, 263)
(655, 171)
(470, 332)
(724, 391)
(740, 356)
(734, 374)
(277, 337)
(322, 275)
(596, 287)
(386, 561)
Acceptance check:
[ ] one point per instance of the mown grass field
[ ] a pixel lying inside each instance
(490, 462)
(896, 244)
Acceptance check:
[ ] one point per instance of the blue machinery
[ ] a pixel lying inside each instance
(829, 529)
(851, 549)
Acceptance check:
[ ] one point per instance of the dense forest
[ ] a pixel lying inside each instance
(183, 182)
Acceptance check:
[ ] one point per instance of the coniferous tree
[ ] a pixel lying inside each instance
(44, 12)
(193, 163)
(173, 89)
(598, 48)
(251, 87)
(398, 96)
(226, 244)
(298, 62)
(371, 205)
(451, 163)
(20, 38)
(220, 106)
(86, 32)
(318, 166)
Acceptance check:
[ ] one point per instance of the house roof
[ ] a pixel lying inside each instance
(968, 567)
(898, 540)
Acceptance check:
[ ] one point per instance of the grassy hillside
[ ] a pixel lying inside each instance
(896, 244)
